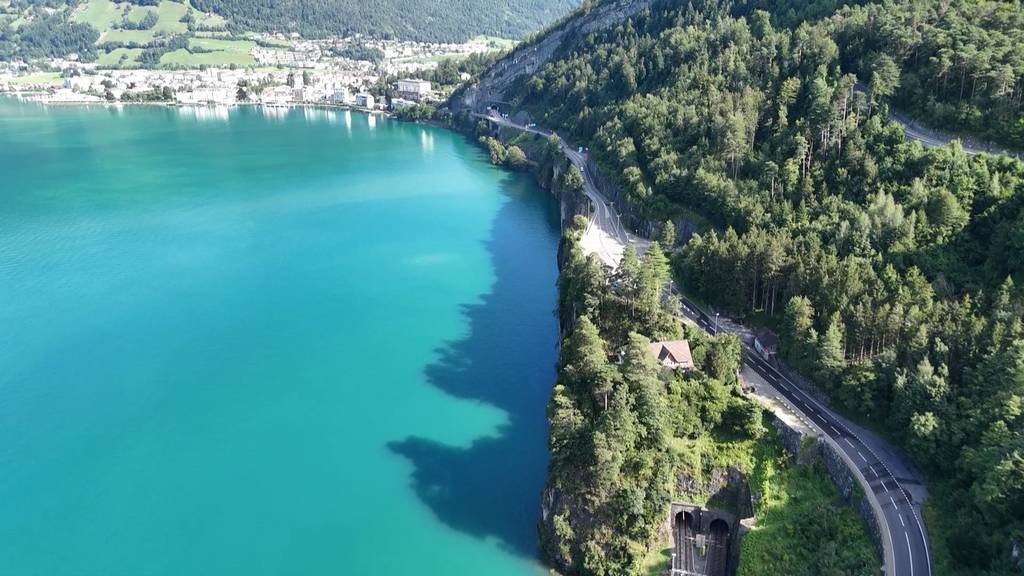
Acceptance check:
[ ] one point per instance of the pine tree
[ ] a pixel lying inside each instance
(585, 362)
(831, 358)
(639, 371)
(798, 332)
(667, 237)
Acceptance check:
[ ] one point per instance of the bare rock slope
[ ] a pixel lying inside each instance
(531, 56)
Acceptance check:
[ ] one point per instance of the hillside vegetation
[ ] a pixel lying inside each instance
(624, 432)
(960, 64)
(424, 20)
(117, 32)
(890, 270)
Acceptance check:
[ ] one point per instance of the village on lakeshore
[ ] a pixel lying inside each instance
(288, 70)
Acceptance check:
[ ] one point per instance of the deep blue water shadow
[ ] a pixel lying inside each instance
(492, 488)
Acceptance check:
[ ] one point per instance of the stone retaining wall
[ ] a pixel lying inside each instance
(610, 190)
(806, 448)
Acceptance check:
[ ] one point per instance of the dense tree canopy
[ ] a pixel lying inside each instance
(424, 20)
(615, 409)
(890, 270)
(955, 65)
(952, 64)
(47, 36)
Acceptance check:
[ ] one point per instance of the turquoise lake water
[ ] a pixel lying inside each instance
(267, 342)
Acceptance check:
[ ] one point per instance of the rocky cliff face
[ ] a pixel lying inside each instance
(555, 512)
(525, 60)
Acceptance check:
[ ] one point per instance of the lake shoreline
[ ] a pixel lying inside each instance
(87, 103)
(152, 233)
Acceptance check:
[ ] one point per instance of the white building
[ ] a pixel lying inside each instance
(364, 100)
(414, 89)
(314, 94)
(400, 103)
(207, 96)
(340, 96)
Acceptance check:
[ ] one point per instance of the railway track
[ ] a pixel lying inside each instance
(684, 544)
(718, 549)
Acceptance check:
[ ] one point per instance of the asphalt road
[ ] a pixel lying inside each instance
(611, 236)
(903, 533)
(903, 536)
(933, 138)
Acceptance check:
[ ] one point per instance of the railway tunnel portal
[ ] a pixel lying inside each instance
(703, 541)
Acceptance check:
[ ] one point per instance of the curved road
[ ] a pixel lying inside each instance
(605, 235)
(933, 138)
(903, 535)
(904, 540)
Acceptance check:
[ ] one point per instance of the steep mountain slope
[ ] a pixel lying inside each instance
(529, 57)
(426, 20)
(56, 28)
(891, 271)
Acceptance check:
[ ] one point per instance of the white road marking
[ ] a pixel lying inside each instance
(888, 533)
(862, 457)
(758, 366)
(927, 555)
(911, 552)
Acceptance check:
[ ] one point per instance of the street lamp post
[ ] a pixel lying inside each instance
(716, 323)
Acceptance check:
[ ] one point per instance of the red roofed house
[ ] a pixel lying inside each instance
(673, 354)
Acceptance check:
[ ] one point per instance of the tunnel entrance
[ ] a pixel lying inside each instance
(718, 548)
(702, 541)
(685, 542)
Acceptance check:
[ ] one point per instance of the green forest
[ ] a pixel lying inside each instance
(956, 65)
(891, 271)
(45, 34)
(32, 29)
(624, 429)
(423, 20)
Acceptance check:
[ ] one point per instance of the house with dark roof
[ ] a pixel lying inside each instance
(766, 343)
